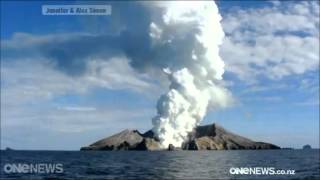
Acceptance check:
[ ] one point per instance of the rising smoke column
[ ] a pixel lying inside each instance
(194, 83)
(178, 38)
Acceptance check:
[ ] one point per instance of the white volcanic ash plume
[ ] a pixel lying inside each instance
(181, 38)
(195, 80)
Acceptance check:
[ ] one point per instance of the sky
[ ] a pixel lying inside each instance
(67, 81)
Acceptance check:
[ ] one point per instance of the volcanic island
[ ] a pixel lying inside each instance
(207, 137)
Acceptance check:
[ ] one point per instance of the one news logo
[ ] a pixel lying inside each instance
(41, 168)
(260, 171)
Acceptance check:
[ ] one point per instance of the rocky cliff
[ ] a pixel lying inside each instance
(209, 137)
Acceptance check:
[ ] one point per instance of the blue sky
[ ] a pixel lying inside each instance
(271, 53)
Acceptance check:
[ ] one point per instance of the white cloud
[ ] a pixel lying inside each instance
(309, 102)
(74, 118)
(117, 74)
(273, 42)
(310, 85)
(269, 87)
(77, 108)
(35, 80)
(29, 87)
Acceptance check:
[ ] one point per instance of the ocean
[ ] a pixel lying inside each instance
(302, 164)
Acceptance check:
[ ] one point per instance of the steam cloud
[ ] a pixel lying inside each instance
(194, 85)
(180, 39)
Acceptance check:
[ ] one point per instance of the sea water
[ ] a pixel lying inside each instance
(164, 164)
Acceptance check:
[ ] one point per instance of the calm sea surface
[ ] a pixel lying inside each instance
(164, 164)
